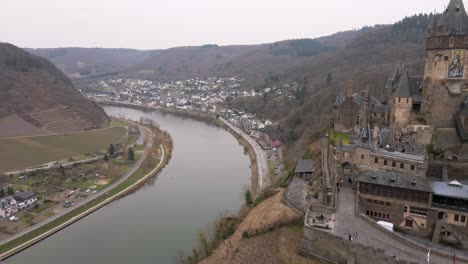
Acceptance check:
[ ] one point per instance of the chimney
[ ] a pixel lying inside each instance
(375, 137)
(349, 89)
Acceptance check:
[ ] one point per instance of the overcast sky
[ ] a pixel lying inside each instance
(155, 24)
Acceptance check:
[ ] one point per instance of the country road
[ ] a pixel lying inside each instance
(262, 164)
(78, 204)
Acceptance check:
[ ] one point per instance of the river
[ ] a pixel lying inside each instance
(205, 178)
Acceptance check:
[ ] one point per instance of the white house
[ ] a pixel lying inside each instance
(25, 199)
(8, 206)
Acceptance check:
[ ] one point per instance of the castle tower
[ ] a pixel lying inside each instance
(445, 74)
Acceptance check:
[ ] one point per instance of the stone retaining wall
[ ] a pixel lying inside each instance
(330, 248)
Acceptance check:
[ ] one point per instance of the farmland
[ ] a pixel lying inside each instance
(18, 153)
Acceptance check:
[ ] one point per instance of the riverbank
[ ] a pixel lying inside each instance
(202, 116)
(157, 156)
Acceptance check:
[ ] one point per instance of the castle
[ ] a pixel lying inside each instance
(407, 153)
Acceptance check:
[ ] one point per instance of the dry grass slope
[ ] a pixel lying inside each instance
(262, 246)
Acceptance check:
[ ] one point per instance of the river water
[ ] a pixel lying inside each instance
(205, 178)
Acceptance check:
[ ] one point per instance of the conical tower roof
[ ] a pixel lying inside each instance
(455, 18)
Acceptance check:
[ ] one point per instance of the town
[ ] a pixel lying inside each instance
(206, 95)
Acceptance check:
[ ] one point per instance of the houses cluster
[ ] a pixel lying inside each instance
(197, 94)
(200, 94)
(17, 202)
(266, 132)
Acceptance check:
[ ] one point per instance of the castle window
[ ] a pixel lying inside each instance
(399, 99)
(463, 219)
(376, 160)
(402, 165)
(407, 100)
(452, 40)
(362, 156)
(357, 120)
(385, 162)
(388, 204)
(367, 212)
(388, 216)
(412, 167)
(393, 164)
(446, 58)
(456, 218)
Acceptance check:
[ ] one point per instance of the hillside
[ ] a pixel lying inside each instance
(253, 62)
(85, 62)
(368, 60)
(34, 92)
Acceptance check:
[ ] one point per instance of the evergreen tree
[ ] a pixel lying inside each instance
(248, 198)
(131, 154)
(10, 190)
(2, 192)
(111, 149)
(62, 169)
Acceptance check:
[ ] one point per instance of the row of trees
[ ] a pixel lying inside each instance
(9, 191)
(111, 151)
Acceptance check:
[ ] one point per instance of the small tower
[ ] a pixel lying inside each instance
(445, 73)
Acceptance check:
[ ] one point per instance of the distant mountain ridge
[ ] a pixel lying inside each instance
(33, 89)
(86, 62)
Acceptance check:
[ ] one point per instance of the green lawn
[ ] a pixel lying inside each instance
(335, 137)
(18, 153)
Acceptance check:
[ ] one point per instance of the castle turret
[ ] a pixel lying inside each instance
(445, 74)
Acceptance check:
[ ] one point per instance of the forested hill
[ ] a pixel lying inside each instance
(30, 84)
(368, 60)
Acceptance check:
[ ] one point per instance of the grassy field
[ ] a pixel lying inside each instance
(18, 153)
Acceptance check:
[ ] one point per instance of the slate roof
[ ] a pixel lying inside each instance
(455, 18)
(365, 138)
(449, 190)
(433, 22)
(384, 138)
(400, 155)
(401, 180)
(21, 196)
(305, 166)
(358, 99)
(405, 86)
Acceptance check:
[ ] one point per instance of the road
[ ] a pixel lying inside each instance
(262, 163)
(91, 197)
(347, 223)
(142, 137)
